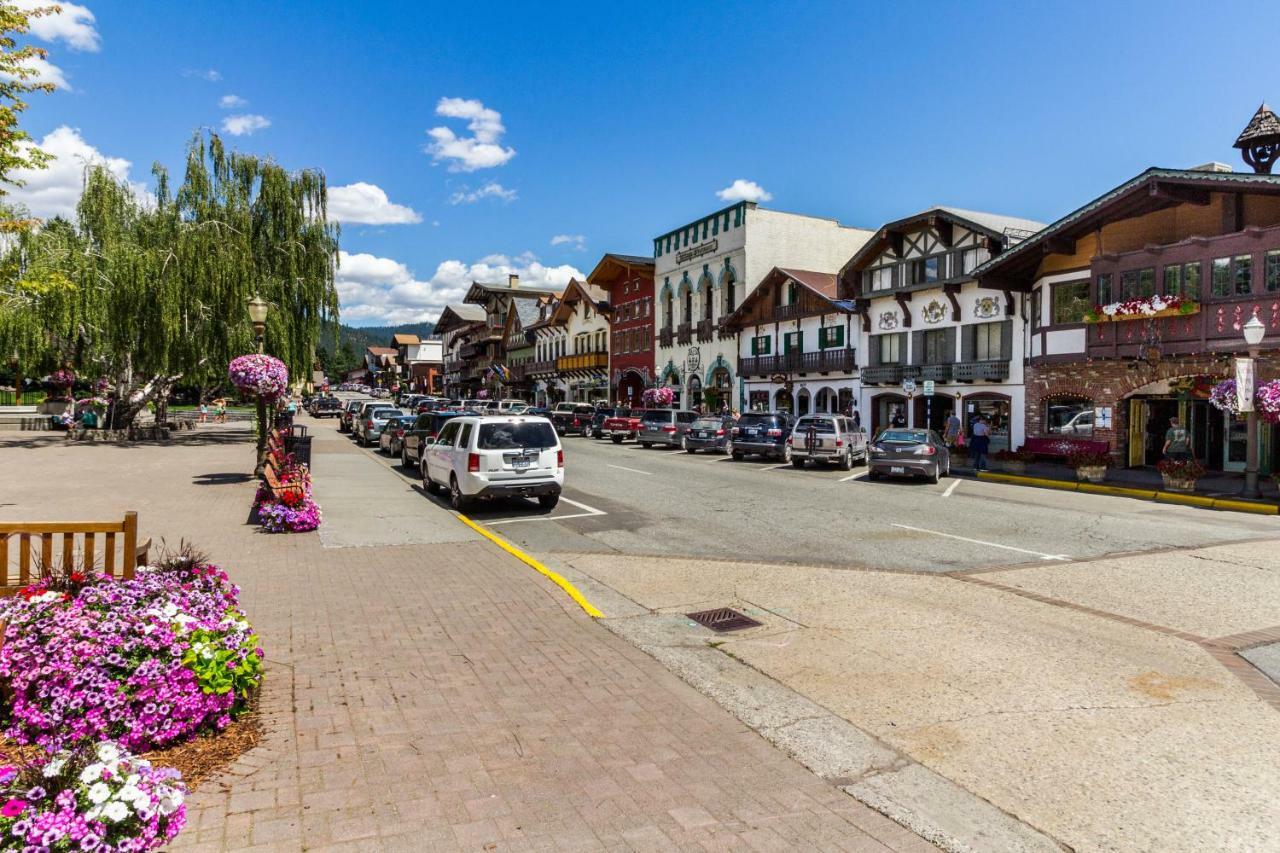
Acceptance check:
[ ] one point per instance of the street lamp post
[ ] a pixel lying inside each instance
(258, 316)
(1254, 331)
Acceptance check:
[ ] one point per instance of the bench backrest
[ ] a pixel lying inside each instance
(109, 546)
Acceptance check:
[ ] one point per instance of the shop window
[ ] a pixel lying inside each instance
(1070, 302)
(1105, 293)
(1071, 416)
(1273, 271)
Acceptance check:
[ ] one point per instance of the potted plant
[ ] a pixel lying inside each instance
(1180, 475)
(1014, 461)
(1090, 465)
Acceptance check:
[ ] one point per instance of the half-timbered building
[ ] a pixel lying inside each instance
(934, 339)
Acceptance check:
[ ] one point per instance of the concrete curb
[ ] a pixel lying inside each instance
(1203, 501)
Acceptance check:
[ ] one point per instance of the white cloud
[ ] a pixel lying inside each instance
(743, 190)
(56, 190)
(211, 75)
(232, 102)
(245, 124)
(46, 72)
(378, 291)
(489, 190)
(577, 241)
(368, 204)
(481, 150)
(72, 23)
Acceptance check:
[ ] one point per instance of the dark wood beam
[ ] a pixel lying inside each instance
(951, 290)
(1233, 214)
(903, 299)
(895, 241)
(944, 229)
(1178, 193)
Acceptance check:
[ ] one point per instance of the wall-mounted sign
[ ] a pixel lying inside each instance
(888, 320)
(986, 307)
(697, 251)
(909, 385)
(693, 360)
(1244, 384)
(933, 312)
(1102, 417)
(928, 387)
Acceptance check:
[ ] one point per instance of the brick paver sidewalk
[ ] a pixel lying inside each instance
(444, 696)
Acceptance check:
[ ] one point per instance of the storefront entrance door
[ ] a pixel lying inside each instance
(1236, 447)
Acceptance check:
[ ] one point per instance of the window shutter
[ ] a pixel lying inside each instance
(873, 354)
(967, 342)
(1006, 339)
(917, 347)
(949, 343)
(799, 341)
(755, 346)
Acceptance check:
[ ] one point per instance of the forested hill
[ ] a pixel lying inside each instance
(342, 347)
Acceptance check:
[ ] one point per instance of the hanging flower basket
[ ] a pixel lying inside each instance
(1267, 399)
(1223, 397)
(655, 397)
(259, 375)
(1149, 308)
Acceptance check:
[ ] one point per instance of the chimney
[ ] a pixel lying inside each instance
(1212, 166)
(513, 281)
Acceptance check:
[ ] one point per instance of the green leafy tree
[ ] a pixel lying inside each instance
(18, 78)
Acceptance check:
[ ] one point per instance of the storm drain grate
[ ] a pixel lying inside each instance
(723, 619)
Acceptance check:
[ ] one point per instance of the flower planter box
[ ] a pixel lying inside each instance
(1178, 484)
(1167, 312)
(1092, 473)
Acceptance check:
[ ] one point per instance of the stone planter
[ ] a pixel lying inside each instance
(1092, 473)
(1178, 484)
(53, 407)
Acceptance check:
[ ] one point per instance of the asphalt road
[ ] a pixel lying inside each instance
(623, 498)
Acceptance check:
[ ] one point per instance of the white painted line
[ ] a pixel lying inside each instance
(724, 458)
(589, 511)
(775, 467)
(951, 488)
(856, 476)
(632, 470)
(981, 542)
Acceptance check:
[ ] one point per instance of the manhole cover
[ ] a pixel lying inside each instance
(723, 619)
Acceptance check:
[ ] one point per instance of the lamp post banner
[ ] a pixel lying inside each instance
(1244, 384)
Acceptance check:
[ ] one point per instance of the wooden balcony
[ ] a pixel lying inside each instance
(936, 372)
(885, 374)
(540, 368)
(706, 331)
(583, 361)
(684, 334)
(822, 361)
(1214, 329)
(981, 371)
(666, 337)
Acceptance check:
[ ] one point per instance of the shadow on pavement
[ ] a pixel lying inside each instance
(226, 479)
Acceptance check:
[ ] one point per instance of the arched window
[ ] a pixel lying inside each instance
(688, 305)
(730, 295)
(707, 306)
(667, 308)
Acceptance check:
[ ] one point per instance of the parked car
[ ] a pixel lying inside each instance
(509, 405)
(347, 417)
(490, 456)
(424, 430)
(602, 414)
(577, 418)
(665, 426)
(370, 423)
(326, 407)
(763, 434)
(391, 436)
(827, 438)
(475, 404)
(624, 424)
(709, 432)
(909, 453)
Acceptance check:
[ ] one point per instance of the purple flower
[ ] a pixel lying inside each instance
(13, 808)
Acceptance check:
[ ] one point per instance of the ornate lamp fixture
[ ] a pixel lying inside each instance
(1259, 143)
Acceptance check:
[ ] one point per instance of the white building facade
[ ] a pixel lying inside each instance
(703, 272)
(933, 340)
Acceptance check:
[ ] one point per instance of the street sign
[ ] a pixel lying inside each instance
(928, 387)
(909, 385)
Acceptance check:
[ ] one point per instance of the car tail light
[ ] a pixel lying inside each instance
(926, 450)
(576, 422)
(839, 442)
(473, 463)
(737, 431)
(400, 432)
(368, 424)
(788, 441)
(773, 433)
(719, 432)
(559, 458)
(668, 429)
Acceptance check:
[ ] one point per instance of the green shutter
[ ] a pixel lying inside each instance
(755, 346)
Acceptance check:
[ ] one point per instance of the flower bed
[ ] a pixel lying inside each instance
(97, 797)
(144, 662)
(1146, 308)
(293, 511)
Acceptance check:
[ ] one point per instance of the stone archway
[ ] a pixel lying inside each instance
(803, 401)
(630, 386)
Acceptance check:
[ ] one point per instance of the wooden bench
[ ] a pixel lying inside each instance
(271, 476)
(120, 550)
(1063, 446)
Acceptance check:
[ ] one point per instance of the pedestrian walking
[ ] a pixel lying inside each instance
(952, 430)
(204, 412)
(1177, 443)
(220, 410)
(857, 420)
(980, 443)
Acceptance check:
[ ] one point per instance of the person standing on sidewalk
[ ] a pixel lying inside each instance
(980, 443)
(1177, 444)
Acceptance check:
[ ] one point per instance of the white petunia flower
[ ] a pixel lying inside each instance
(115, 811)
(108, 751)
(99, 793)
(171, 610)
(92, 773)
(54, 767)
(170, 802)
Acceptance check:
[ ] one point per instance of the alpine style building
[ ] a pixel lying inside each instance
(628, 280)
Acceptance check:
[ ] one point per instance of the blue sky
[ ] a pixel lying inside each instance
(607, 124)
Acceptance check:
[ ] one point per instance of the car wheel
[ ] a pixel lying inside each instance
(737, 457)
(684, 444)
(428, 484)
(797, 463)
(728, 448)
(549, 501)
(934, 477)
(846, 461)
(786, 453)
(404, 457)
(873, 474)
(617, 439)
(457, 499)
(646, 444)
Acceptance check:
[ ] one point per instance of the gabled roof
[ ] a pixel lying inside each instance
(612, 265)
(1152, 190)
(821, 284)
(480, 292)
(457, 316)
(404, 340)
(577, 292)
(1006, 229)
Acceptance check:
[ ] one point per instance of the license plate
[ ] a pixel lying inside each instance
(704, 434)
(520, 463)
(897, 469)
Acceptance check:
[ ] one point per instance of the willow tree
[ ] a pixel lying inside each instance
(158, 286)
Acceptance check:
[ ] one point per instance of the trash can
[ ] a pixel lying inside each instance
(299, 446)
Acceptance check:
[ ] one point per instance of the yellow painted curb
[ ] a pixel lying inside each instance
(1064, 485)
(1187, 500)
(536, 566)
(1118, 491)
(1245, 506)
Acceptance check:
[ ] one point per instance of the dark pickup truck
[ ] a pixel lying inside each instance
(326, 407)
(570, 419)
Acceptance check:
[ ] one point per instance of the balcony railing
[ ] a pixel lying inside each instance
(885, 374)
(684, 333)
(706, 331)
(666, 337)
(583, 361)
(787, 312)
(540, 368)
(822, 361)
(981, 371)
(936, 372)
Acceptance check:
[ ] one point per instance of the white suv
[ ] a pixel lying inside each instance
(490, 456)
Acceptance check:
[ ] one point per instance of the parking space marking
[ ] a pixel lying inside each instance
(1039, 554)
(951, 488)
(632, 470)
(775, 467)
(856, 476)
(587, 512)
(725, 458)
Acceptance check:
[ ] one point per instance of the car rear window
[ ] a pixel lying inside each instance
(511, 436)
(902, 435)
(816, 424)
(707, 423)
(757, 420)
(657, 417)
